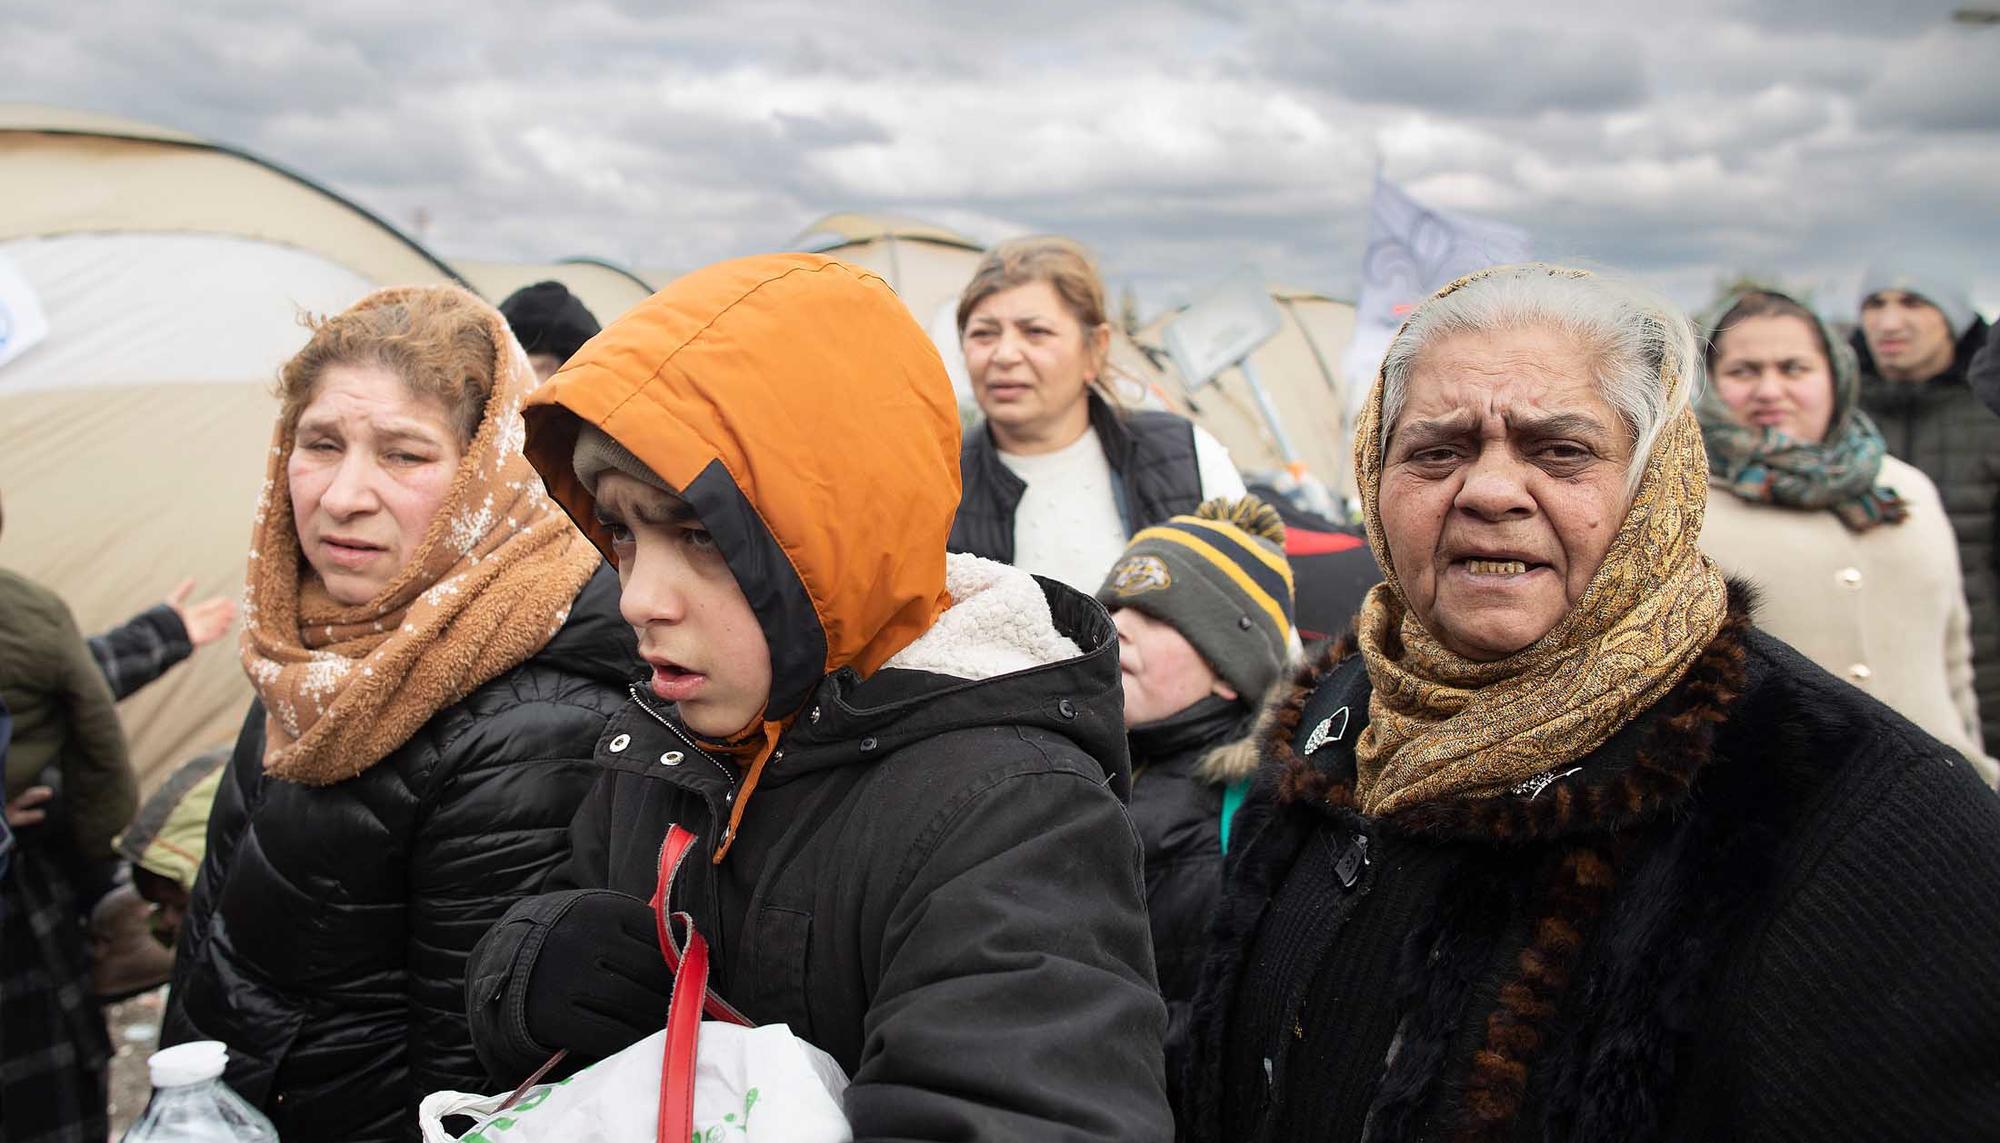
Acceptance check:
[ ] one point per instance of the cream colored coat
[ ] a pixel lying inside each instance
(1883, 609)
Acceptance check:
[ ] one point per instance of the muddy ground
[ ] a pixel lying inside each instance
(135, 1029)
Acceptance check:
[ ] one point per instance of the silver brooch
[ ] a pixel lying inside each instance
(1533, 787)
(1327, 731)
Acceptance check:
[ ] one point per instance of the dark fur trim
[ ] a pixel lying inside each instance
(1493, 1093)
(1682, 905)
(1441, 962)
(1301, 781)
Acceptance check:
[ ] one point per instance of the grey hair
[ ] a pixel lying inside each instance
(1634, 336)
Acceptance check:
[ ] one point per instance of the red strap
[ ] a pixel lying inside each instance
(676, 1121)
(1306, 542)
(678, 844)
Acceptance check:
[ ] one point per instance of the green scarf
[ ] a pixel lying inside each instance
(1838, 474)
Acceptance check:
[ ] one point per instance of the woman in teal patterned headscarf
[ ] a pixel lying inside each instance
(1790, 432)
(1852, 548)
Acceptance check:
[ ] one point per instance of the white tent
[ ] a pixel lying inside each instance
(172, 272)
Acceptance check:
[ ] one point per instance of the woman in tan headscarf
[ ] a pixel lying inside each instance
(435, 650)
(1559, 845)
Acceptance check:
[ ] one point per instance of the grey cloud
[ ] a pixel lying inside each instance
(1483, 62)
(1181, 140)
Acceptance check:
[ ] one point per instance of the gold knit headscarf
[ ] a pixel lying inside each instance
(1442, 726)
(490, 584)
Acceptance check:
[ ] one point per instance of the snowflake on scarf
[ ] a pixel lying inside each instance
(265, 672)
(322, 677)
(443, 591)
(513, 437)
(469, 527)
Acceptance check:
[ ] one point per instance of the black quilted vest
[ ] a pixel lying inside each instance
(1152, 460)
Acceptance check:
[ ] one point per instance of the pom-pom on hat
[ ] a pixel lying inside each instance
(1221, 579)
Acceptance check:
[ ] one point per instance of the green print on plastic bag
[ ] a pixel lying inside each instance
(721, 1131)
(488, 1132)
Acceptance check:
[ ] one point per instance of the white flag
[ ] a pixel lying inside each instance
(1412, 252)
(22, 322)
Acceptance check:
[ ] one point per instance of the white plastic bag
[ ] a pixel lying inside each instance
(752, 1085)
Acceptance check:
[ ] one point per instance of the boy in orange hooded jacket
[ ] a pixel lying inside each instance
(906, 769)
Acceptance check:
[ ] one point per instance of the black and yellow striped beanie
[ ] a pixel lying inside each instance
(1221, 579)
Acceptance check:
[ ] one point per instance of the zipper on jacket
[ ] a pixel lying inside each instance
(677, 732)
(719, 953)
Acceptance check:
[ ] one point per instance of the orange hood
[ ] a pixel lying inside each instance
(797, 406)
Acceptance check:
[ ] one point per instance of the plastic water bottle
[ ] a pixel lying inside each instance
(191, 1104)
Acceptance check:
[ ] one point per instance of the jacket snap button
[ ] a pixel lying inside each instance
(868, 744)
(1859, 671)
(1243, 621)
(619, 743)
(1851, 576)
(814, 716)
(671, 758)
(1066, 708)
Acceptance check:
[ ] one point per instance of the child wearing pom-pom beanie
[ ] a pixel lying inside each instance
(1203, 605)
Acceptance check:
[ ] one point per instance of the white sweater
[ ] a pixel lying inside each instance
(1067, 525)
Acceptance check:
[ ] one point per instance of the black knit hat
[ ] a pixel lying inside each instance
(547, 318)
(1221, 579)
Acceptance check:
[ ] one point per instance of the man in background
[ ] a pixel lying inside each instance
(1918, 335)
(550, 323)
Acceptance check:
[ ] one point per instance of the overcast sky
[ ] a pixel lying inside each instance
(1791, 137)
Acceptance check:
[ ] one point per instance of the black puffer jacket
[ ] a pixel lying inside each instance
(327, 938)
(1151, 452)
(1177, 809)
(1942, 427)
(1765, 909)
(936, 883)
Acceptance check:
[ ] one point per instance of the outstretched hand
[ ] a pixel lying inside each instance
(206, 621)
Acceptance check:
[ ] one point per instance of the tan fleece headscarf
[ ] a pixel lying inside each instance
(489, 586)
(1443, 726)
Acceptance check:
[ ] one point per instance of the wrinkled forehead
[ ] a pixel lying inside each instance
(1511, 377)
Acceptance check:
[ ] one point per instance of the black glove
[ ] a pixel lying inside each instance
(599, 983)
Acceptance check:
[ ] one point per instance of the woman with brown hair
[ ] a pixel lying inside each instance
(1060, 475)
(435, 651)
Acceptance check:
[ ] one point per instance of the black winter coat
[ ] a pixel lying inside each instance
(1765, 909)
(1151, 453)
(327, 936)
(1943, 428)
(935, 882)
(1177, 809)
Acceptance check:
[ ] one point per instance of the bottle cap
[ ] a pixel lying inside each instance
(184, 1064)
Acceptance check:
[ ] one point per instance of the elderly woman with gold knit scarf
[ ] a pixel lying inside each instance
(1558, 845)
(435, 651)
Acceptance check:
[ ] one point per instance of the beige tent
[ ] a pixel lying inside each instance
(605, 289)
(1299, 368)
(171, 272)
